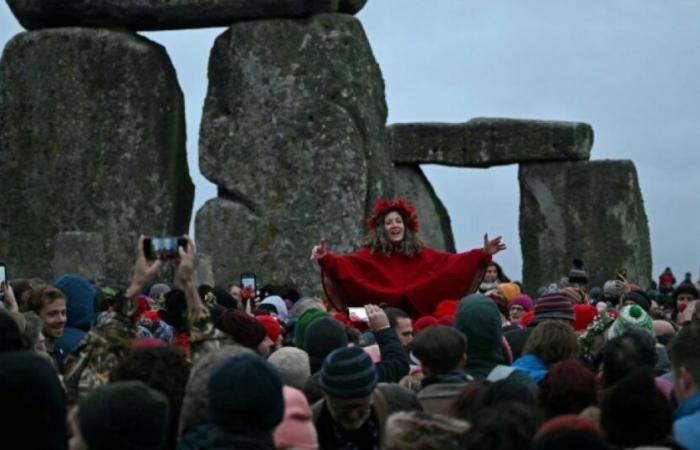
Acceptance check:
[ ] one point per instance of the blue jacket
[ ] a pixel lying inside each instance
(686, 428)
(533, 366)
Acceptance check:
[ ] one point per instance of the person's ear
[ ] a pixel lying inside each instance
(463, 361)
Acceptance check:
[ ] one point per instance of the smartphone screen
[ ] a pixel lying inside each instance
(163, 247)
(357, 314)
(248, 280)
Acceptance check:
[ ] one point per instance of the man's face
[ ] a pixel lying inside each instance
(349, 413)
(53, 318)
(404, 329)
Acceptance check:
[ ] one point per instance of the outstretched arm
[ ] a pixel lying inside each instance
(491, 247)
(394, 364)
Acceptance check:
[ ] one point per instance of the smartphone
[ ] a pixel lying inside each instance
(357, 314)
(248, 280)
(3, 279)
(163, 247)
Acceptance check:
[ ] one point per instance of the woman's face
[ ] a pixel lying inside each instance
(394, 227)
(491, 274)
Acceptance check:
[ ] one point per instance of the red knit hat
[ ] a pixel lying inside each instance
(447, 320)
(584, 315)
(423, 323)
(446, 308)
(568, 422)
(273, 327)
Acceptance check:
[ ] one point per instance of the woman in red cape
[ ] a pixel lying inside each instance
(394, 267)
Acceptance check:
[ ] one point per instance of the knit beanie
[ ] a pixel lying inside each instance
(322, 337)
(272, 326)
(570, 431)
(303, 323)
(584, 315)
(424, 431)
(508, 290)
(158, 289)
(80, 300)
(478, 319)
(523, 300)
(554, 306)
(245, 395)
(638, 297)
(280, 306)
(423, 323)
(667, 277)
(634, 412)
(242, 327)
(32, 399)
(631, 315)
(577, 274)
(297, 429)
(293, 366)
(574, 294)
(348, 372)
(612, 290)
(685, 288)
(125, 414)
(446, 308)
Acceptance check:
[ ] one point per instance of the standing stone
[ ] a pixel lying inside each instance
(435, 227)
(293, 135)
(92, 138)
(590, 210)
(79, 253)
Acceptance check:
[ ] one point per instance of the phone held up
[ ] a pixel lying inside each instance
(248, 281)
(357, 314)
(3, 280)
(163, 247)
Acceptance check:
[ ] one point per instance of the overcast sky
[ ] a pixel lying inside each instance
(628, 68)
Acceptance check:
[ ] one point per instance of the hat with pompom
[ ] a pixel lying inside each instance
(631, 315)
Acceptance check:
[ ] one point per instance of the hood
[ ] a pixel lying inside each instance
(478, 318)
(80, 300)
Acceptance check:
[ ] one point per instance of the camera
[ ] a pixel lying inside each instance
(163, 247)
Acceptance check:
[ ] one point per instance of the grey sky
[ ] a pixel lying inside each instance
(628, 68)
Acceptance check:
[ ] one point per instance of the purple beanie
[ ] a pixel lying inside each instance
(523, 300)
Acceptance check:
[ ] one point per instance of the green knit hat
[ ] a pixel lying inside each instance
(478, 319)
(303, 323)
(126, 414)
(631, 315)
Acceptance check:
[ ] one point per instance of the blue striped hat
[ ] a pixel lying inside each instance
(348, 372)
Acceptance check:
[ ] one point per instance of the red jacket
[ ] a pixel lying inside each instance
(415, 284)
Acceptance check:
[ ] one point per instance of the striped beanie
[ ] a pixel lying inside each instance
(348, 372)
(631, 315)
(554, 306)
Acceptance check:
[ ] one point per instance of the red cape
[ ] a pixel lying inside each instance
(415, 284)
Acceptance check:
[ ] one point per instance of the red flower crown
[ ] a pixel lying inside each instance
(400, 205)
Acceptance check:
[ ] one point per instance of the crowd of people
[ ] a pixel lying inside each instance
(177, 365)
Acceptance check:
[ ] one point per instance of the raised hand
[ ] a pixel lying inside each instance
(491, 247)
(319, 251)
(185, 269)
(144, 270)
(376, 317)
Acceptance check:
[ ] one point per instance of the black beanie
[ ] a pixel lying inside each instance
(245, 395)
(634, 412)
(32, 398)
(125, 414)
(638, 297)
(322, 337)
(174, 312)
(685, 288)
(348, 372)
